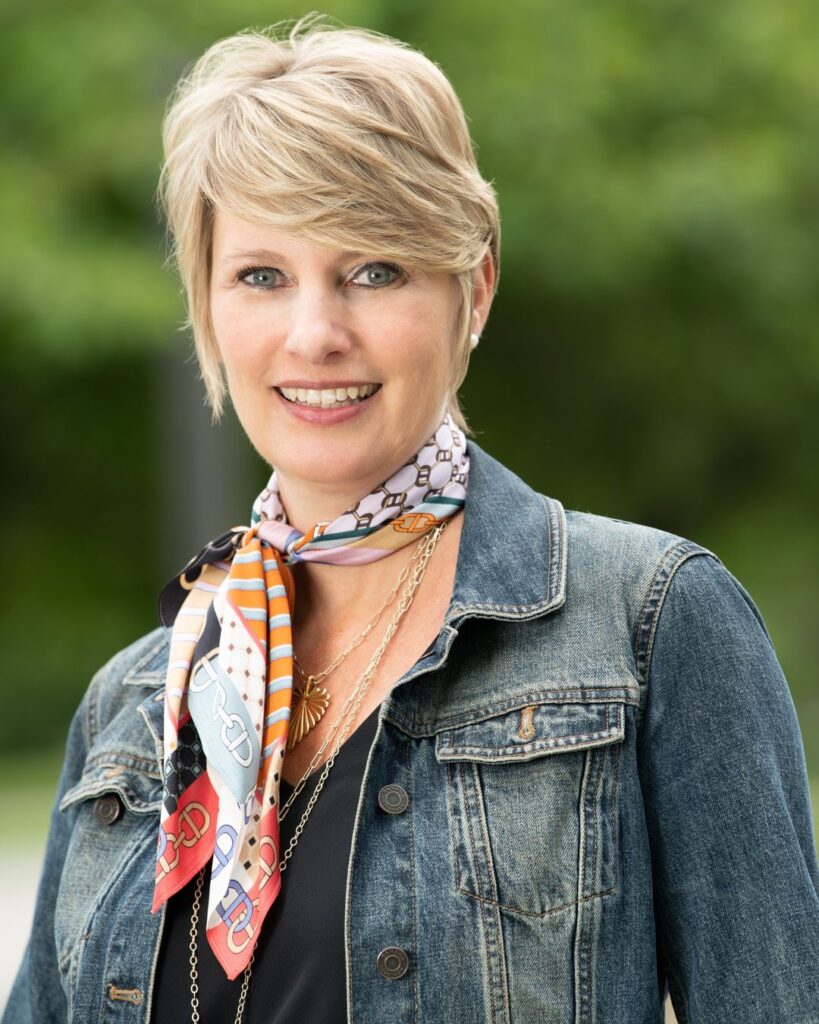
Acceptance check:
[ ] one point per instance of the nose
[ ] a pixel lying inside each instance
(316, 327)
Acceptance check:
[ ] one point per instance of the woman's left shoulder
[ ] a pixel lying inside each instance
(625, 544)
(619, 556)
(644, 567)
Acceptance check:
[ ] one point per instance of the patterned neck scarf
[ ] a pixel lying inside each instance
(230, 676)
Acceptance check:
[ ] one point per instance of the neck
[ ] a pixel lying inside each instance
(308, 503)
(348, 596)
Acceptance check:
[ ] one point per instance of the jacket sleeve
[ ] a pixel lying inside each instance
(37, 995)
(728, 811)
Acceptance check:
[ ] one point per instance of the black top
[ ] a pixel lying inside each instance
(299, 970)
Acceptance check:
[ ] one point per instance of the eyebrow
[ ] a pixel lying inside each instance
(274, 257)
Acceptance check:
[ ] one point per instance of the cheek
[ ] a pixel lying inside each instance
(423, 338)
(240, 336)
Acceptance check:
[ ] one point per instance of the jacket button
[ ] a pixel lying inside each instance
(392, 962)
(393, 799)
(107, 809)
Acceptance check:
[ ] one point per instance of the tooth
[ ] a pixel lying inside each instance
(301, 395)
(313, 396)
(341, 394)
(289, 393)
(352, 392)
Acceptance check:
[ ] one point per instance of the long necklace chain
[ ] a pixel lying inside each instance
(426, 547)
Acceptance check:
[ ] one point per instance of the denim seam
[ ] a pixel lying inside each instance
(556, 574)
(92, 710)
(154, 963)
(355, 843)
(651, 609)
(595, 865)
(115, 759)
(497, 964)
(582, 857)
(133, 803)
(585, 695)
(158, 743)
(616, 757)
(413, 896)
(135, 673)
(601, 757)
(571, 741)
(469, 784)
(451, 784)
(558, 551)
(539, 913)
(506, 611)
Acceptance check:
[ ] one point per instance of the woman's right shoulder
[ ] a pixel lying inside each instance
(126, 676)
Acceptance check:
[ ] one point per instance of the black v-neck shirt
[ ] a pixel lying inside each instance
(299, 971)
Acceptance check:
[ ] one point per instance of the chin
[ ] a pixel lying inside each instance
(325, 462)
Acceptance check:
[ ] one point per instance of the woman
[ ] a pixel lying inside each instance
(417, 744)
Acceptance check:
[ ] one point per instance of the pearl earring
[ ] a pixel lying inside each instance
(474, 339)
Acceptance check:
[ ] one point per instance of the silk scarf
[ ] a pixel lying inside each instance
(229, 682)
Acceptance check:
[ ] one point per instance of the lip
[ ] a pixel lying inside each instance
(319, 385)
(325, 417)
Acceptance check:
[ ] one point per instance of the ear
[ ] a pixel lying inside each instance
(484, 277)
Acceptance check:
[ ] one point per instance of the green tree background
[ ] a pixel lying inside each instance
(653, 353)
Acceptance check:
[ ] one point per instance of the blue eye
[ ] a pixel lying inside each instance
(255, 276)
(376, 274)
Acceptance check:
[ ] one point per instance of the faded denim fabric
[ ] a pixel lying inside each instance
(607, 789)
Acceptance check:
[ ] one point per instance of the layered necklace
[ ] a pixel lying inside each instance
(311, 694)
(310, 700)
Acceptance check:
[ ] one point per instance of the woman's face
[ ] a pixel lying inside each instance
(297, 324)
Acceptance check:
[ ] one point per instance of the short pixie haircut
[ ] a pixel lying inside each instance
(345, 137)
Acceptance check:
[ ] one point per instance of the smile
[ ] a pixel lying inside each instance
(329, 398)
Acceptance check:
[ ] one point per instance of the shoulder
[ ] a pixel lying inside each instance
(124, 678)
(625, 571)
(668, 581)
(616, 556)
(622, 546)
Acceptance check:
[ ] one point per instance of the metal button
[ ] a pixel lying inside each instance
(393, 799)
(107, 809)
(392, 962)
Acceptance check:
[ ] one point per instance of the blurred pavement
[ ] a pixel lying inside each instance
(20, 867)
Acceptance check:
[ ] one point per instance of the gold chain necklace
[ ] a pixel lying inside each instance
(310, 700)
(426, 547)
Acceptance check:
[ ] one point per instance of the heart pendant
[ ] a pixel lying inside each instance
(309, 704)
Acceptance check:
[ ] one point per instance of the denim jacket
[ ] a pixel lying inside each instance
(607, 801)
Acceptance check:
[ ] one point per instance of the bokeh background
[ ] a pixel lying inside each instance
(653, 352)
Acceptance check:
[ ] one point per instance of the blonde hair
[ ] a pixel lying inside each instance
(345, 137)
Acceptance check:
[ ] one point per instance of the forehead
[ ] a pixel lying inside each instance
(235, 239)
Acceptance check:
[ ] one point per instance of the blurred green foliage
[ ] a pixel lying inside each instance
(653, 353)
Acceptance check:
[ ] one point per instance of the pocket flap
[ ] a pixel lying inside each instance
(532, 731)
(139, 791)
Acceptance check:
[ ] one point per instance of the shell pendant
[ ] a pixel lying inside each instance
(309, 704)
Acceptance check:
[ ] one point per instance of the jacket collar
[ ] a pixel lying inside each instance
(512, 554)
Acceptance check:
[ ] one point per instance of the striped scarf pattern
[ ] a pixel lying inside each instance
(229, 682)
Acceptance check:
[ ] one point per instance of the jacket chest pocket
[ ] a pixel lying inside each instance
(531, 803)
(116, 806)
